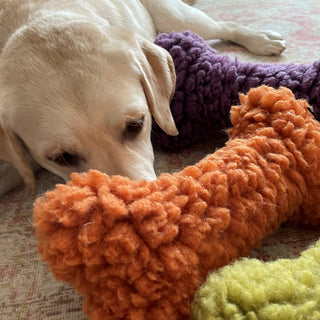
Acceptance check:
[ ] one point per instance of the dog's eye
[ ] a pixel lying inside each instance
(65, 159)
(133, 127)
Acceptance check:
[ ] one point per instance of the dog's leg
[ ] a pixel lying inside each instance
(9, 177)
(172, 15)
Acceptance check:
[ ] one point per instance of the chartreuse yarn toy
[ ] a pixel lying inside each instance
(140, 250)
(209, 83)
(254, 290)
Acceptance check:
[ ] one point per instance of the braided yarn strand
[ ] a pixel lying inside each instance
(208, 84)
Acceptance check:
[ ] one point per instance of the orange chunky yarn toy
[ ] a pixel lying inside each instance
(140, 250)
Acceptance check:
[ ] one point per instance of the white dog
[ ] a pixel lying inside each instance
(81, 79)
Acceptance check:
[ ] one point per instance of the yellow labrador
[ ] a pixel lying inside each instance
(81, 79)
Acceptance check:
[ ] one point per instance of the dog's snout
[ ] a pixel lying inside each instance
(139, 173)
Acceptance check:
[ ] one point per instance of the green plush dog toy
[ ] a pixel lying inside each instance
(253, 290)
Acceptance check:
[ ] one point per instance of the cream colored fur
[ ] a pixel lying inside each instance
(81, 79)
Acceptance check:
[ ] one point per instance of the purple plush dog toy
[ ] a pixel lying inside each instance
(208, 85)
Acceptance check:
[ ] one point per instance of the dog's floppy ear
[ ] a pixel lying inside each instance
(158, 80)
(12, 151)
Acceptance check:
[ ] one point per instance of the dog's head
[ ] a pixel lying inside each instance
(79, 96)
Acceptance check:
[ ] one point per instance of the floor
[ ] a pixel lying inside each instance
(28, 291)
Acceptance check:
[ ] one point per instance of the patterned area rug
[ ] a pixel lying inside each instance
(28, 291)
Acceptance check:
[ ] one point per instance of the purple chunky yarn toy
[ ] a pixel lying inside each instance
(208, 85)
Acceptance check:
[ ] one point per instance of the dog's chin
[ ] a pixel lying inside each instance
(148, 176)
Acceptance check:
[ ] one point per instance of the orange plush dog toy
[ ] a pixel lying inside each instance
(140, 250)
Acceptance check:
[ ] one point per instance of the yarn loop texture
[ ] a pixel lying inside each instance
(252, 289)
(140, 250)
(208, 84)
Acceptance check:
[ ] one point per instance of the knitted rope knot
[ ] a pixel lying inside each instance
(140, 250)
(208, 84)
(251, 289)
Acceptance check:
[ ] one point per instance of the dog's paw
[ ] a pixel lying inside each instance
(265, 43)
